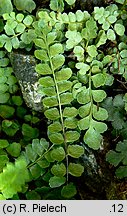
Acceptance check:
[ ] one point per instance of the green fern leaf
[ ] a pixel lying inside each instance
(17, 174)
(63, 74)
(43, 69)
(92, 138)
(52, 114)
(75, 169)
(56, 181)
(55, 127)
(58, 154)
(58, 169)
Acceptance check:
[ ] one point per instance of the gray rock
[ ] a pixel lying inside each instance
(24, 69)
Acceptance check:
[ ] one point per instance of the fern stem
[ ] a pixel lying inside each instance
(91, 96)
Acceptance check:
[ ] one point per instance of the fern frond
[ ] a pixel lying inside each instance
(13, 177)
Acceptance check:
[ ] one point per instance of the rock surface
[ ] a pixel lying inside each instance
(24, 70)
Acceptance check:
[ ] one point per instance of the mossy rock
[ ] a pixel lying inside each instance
(24, 69)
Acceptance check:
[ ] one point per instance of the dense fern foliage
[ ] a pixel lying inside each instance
(80, 59)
